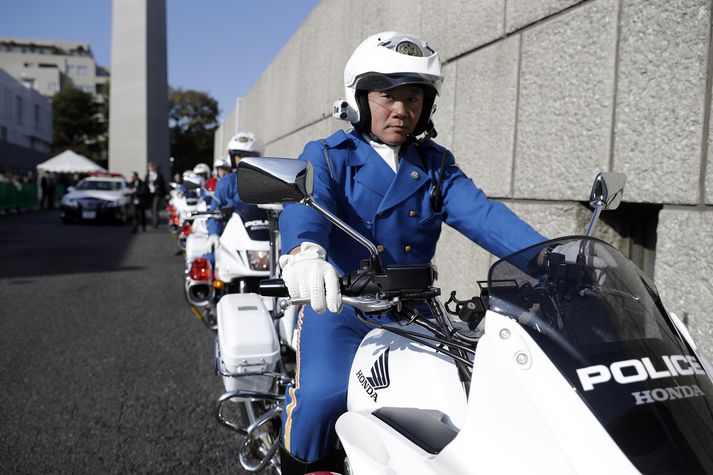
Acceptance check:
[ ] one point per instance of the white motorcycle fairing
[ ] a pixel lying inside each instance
(522, 417)
(197, 241)
(390, 370)
(231, 262)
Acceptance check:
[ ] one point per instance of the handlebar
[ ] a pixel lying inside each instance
(222, 212)
(365, 303)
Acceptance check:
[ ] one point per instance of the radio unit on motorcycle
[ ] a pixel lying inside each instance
(407, 281)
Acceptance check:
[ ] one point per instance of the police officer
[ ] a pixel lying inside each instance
(243, 144)
(221, 167)
(393, 189)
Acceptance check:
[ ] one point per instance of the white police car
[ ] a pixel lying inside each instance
(97, 198)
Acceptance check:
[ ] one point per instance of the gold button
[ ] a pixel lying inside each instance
(407, 248)
(412, 213)
(414, 175)
(380, 248)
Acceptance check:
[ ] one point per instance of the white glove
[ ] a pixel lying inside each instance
(308, 275)
(213, 241)
(601, 260)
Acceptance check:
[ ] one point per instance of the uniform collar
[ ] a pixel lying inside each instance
(337, 138)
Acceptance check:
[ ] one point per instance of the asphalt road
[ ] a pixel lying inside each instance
(103, 368)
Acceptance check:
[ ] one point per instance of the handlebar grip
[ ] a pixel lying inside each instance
(273, 288)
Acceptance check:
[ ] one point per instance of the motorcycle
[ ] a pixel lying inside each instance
(196, 244)
(241, 259)
(254, 350)
(183, 202)
(567, 361)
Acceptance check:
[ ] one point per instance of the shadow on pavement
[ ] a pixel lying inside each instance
(38, 244)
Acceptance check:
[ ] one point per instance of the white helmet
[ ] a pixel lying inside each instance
(192, 180)
(244, 144)
(383, 61)
(202, 169)
(221, 162)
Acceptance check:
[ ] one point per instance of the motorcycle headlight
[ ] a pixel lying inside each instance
(259, 260)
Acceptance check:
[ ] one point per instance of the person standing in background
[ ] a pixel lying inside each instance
(157, 189)
(139, 192)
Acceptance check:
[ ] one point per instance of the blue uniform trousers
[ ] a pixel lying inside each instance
(319, 395)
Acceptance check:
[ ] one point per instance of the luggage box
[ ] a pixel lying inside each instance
(247, 343)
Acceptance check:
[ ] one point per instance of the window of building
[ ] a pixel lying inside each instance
(28, 83)
(52, 86)
(29, 65)
(7, 103)
(47, 65)
(88, 89)
(77, 70)
(18, 110)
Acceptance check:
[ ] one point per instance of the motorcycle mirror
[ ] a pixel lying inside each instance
(607, 192)
(263, 180)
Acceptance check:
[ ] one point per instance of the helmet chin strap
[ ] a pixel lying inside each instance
(431, 133)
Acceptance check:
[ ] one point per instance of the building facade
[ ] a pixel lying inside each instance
(47, 66)
(539, 96)
(25, 126)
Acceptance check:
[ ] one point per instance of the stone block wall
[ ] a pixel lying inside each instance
(539, 96)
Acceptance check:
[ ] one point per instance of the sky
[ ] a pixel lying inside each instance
(216, 46)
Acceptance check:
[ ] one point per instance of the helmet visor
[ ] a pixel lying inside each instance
(383, 82)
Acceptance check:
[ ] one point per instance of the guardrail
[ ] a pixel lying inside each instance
(18, 197)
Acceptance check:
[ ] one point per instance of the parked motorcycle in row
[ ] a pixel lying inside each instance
(567, 362)
(184, 201)
(240, 260)
(254, 354)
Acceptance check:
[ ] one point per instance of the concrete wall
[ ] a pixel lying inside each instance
(228, 128)
(539, 96)
(138, 117)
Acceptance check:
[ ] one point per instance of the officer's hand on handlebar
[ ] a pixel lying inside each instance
(572, 250)
(308, 275)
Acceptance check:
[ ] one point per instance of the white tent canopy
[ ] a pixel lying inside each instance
(69, 162)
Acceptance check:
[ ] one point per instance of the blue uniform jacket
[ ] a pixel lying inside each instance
(395, 212)
(226, 194)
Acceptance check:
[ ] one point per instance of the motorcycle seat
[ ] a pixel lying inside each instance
(429, 429)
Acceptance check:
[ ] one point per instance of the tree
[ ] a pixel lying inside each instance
(77, 123)
(193, 118)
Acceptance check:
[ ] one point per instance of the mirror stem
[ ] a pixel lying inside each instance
(375, 261)
(595, 216)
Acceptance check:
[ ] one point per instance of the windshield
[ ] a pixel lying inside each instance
(601, 322)
(99, 185)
